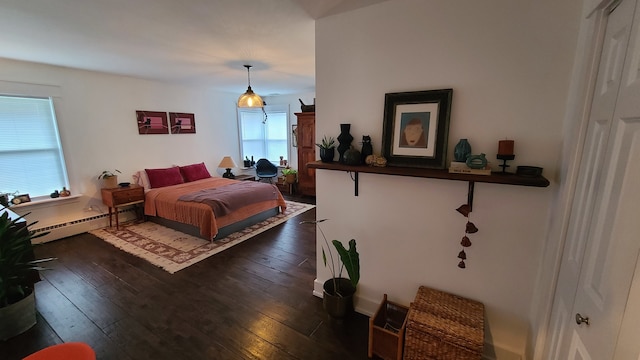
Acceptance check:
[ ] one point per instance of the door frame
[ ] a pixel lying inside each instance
(581, 92)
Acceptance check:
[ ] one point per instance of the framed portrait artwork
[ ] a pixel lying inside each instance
(182, 123)
(416, 128)
(151, 122)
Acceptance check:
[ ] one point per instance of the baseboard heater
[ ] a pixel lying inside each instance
(79, 226)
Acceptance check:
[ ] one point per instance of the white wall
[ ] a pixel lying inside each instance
(509, 64)
(96, 116)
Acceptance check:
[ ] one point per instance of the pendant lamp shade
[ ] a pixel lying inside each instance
(250, 99)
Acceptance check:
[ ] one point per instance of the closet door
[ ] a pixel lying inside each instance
(601, 249)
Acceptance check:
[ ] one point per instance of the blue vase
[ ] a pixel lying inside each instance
(462, 150)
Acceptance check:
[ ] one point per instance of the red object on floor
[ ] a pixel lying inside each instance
(66, 351)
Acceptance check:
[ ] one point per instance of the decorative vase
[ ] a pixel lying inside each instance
(367, 148)
(351, 157)
(477, 161)
(462, 150)
(344, 140)
(17, 317)
(65, 192)
(338, 304)
(326, 155)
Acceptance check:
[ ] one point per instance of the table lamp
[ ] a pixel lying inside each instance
(227, 163)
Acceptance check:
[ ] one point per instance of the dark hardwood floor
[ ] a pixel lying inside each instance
(252, 301)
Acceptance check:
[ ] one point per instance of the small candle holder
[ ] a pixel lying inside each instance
(504, 159)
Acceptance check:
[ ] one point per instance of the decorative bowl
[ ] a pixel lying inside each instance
(124, 184)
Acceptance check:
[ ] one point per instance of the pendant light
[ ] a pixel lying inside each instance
(250, 99)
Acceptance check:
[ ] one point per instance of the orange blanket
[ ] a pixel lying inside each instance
(163, 202)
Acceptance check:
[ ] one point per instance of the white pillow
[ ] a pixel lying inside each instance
(141, 178)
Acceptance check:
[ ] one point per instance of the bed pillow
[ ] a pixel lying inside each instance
(141, 178)
(194, 172)
(164, 177)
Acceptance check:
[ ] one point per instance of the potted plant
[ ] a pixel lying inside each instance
(327, 148)
(18, 274)
(289, 175)
(109, 179)
(337, 297)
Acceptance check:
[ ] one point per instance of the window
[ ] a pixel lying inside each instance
(31, 157)
(263, 139)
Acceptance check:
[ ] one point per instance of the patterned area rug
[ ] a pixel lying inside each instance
(172, 250)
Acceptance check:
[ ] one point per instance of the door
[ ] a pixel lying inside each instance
(306, 153)
(601, 251)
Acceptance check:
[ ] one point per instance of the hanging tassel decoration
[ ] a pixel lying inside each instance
(464, 209)
(465, 241)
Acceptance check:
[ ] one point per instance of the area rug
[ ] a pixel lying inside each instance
(173, 251)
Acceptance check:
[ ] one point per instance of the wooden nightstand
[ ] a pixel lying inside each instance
(245, 177)
(122, 196)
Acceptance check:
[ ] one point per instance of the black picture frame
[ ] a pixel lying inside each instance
(416, 128)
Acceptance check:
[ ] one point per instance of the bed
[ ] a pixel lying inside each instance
(209, 207)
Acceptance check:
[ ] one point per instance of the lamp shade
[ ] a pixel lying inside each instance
(250, 99)
(227, 163)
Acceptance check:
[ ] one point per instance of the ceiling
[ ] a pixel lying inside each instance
(194, 42)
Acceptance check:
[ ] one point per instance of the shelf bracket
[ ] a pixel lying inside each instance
(470, 195)
(354, 178)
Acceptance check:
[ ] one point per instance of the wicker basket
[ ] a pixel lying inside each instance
(386, 330)
(444, 326)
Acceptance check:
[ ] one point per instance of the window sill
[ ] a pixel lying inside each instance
(45, 201)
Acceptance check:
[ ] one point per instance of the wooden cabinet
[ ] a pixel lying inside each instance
(123, 196)
(306, 153)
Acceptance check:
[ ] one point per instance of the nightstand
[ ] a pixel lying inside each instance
(245, 177)
(122, 196)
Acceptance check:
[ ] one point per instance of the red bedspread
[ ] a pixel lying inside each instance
(164, 202)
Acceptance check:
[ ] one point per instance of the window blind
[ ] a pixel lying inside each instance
(31, 156)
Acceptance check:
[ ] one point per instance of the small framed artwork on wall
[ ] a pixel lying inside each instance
(182, 123)
(151, 122)
(416, 128)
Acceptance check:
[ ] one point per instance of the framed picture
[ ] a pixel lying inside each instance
(182, 123)
(416, 128)
(151, 122)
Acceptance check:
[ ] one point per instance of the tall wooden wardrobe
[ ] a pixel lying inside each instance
(306, 134)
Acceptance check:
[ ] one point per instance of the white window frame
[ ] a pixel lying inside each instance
(52, 93)
(269, 109)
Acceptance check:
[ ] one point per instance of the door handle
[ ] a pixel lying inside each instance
(580, 319)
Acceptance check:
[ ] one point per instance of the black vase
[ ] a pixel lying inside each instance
(326, 155)
(344, 140)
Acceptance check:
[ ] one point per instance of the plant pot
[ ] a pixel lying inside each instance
(290, 178)
(338, 304)
(326, 155)
(17, 317)
(110, 182)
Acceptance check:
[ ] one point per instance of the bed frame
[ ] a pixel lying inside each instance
(223, 231)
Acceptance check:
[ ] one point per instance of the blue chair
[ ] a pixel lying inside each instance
(266, 170)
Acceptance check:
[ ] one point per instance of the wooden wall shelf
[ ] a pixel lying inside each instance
(495, 178)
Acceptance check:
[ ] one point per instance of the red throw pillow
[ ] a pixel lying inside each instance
(194, 172)
(164, 177)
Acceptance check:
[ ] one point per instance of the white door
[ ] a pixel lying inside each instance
(600, 255)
